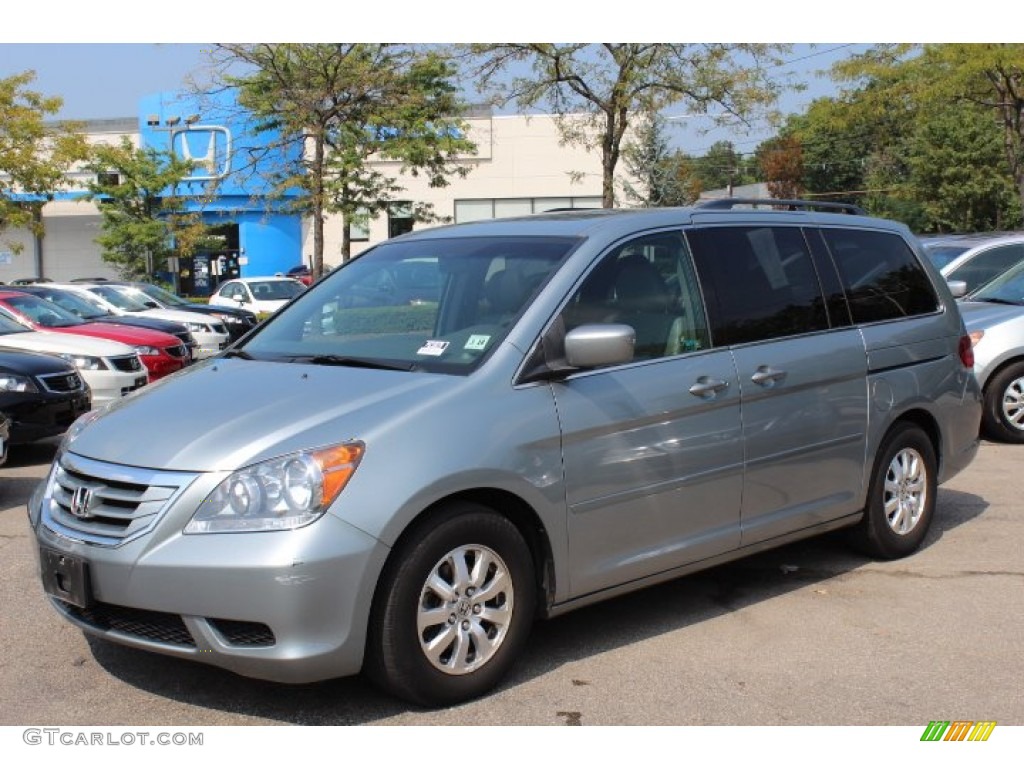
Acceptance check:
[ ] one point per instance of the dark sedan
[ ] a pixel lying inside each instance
(40, 394)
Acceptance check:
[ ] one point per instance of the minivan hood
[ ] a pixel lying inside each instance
(228, 413)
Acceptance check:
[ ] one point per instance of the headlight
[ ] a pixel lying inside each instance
(85, 362)
(226, 318)
(197, 328)
(279, 494)
(12, 382)
(150, 351)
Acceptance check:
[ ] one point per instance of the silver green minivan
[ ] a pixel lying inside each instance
(470, 427)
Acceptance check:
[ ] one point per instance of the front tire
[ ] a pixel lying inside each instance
(453, 609)
(1003, 414)
(901, 496)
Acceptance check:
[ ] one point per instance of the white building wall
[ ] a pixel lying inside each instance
(519, 159)
(68, 247)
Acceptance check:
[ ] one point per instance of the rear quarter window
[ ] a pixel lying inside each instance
(881, 275)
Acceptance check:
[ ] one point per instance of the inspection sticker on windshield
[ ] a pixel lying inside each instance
(433, 348)
(477, 341)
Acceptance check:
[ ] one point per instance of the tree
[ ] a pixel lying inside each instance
(989, 76)
(782, 167)
(35, 155)
(597, 90)
(720, 167)
(662, 177)
(343, 106)
(142, 225)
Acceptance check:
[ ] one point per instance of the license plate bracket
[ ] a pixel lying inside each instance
(65, 577)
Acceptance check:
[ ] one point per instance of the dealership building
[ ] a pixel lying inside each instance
(520, 166)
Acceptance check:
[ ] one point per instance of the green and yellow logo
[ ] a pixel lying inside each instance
(958, 730)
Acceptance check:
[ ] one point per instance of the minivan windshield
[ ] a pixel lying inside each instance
(1008, 288)
(433, 304)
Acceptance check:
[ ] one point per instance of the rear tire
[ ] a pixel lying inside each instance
(901, 497)
(453, 609)
(1003, 415)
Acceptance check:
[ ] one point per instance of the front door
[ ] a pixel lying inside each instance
(653, 449)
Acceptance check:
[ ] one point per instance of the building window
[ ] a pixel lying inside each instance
(359, 227)
(400, 219)
(498, 208)
(108, 179)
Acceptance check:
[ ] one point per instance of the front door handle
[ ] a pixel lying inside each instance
(766, 376)
(707, 387)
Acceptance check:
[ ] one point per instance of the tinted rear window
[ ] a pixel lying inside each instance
(882, 278)
(760, 281)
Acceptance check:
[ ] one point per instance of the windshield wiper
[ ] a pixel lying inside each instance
(995, 300)
(237, 353)
(358, 362)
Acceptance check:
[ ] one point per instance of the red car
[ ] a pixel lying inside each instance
(161, 353)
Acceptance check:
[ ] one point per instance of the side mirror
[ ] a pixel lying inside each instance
(593, 346)
(958, 288)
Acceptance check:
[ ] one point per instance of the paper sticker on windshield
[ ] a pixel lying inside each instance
(433, 348)
(477, 342)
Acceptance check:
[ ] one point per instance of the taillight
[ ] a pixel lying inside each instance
(966, 351)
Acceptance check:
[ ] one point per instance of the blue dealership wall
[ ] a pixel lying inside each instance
(231, 182)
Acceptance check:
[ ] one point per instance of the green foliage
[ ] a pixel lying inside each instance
(34, 155)
(598, 89)
(141, 224)
(663, 178)
(721, 166)
(943, 110)
(348, 105)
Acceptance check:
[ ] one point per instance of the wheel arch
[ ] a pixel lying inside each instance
(928, 423)
(505, 503)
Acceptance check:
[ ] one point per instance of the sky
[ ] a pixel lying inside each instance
(107, 80)
(102, 57)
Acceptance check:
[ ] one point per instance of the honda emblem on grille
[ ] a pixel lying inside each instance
(81, 502)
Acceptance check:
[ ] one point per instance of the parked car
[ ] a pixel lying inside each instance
(111, 369)
(258, 294)
(161, 353)
(975, 259)
(302, 273)
(994, 316)
(237, 321)
(41, 395)
(88, 308)
(598, 401)
(210, 334)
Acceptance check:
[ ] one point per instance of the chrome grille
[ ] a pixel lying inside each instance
(126, 363)
(107, 504)
(61, 382)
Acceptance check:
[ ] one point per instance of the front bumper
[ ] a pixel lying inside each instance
(288, 606)
(209, 344)
(109, 386)
(35, 418)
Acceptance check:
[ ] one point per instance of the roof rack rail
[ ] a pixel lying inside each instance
(727, 203)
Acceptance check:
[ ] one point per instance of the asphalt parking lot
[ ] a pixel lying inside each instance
(812, 634)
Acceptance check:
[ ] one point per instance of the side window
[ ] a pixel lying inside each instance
(760, 283)
(649, 284)
(882, 277)
(987, 265)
